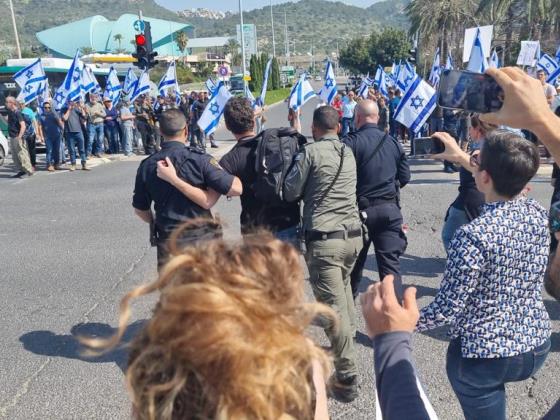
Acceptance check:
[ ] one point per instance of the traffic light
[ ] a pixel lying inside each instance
(412, 55)
(145, 56)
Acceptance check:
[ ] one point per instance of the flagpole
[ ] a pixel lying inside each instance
(272, 24)
(243, 45)
(18, 49)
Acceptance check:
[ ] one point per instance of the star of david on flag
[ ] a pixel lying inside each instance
(113, 87)
(71, 89)
(407, 76)
(328, 91)
(210, 118)
(168, 83)
(301, 93)
(129, 82)
(547, 64)
(32, 80)
(416, 105)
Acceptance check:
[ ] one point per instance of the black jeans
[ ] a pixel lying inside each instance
(147, 134)
(384, 225)
(31, 142)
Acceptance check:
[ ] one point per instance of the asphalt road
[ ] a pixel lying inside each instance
(70, 247)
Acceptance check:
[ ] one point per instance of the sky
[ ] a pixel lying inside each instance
(233, 4)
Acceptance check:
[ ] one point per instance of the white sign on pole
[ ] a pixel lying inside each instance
(528, 53)
(250, 38)
(485, 36)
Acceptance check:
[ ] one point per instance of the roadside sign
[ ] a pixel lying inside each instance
(223, 71)
(139, 26)
(247, 78)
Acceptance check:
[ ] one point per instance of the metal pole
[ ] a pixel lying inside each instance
(18, 49)
(272, 24)
(286, 38)
(243, 46)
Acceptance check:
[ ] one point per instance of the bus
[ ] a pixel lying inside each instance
(236, 84)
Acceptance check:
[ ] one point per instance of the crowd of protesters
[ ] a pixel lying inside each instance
(95, 127)
(227, 339)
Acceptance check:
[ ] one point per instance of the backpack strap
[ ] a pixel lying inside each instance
(377, 149)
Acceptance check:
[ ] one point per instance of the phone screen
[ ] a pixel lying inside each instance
(554, 217)
(425, 146)
(473, 92)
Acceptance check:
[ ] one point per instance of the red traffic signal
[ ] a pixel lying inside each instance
(140, 40)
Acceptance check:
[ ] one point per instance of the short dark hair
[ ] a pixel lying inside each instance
(239, 115)
(172, 122)
(325, 118)
(510, 160)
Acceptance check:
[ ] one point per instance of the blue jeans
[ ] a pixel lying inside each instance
(347, 126)
(73, 140)
(289, 235)
(112, 134)
(126, 141)
(53, 149)
(96, 137)
(479, 383)
(454, 220)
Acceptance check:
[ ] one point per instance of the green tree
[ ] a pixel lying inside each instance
(87, 50)
(232, 47)
(275, 81)
(118, 38)
(255, 70)
(355, 57)
(181, 39)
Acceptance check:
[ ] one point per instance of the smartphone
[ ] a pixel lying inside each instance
(468, 91)
(554, 218)
(426, 146)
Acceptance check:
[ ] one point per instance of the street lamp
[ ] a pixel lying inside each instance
(18, 49)
(243, 46)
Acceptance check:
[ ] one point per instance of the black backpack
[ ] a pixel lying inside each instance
(275, 154)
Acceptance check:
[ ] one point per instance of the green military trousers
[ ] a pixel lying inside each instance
(330, 263)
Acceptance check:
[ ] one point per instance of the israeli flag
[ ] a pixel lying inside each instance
(264, 87)
(558, 54)
(249, 95)
(71, 87)
(494, 60)
(547, 64)
(210, 118)
(141, 86)
(381, 81)
(210, 86)
(113, 87)
(553, 76)
(407, 76)
(449, 62)
(477, 60)
(129, 82)
(301, 93)
(169, 83)
(89, 82)
(32, 80)
(417, 105)
(435, 73)
(367, 82)
(328, 91)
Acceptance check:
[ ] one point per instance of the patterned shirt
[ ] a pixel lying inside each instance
(491, 290)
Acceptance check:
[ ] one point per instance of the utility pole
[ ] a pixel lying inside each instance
(243, 46)
(272, 24)
(18, 49)
(286, 39)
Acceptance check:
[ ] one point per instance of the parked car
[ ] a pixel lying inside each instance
(318, 78)
(3, 148)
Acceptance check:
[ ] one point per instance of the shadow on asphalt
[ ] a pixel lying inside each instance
(47, 343)
(412, 265)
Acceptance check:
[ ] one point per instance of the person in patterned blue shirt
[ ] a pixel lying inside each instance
(491, 290)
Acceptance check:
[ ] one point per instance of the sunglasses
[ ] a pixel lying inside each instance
(475, 160)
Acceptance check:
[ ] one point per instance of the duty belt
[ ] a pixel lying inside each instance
(365, 203)
(313, 235)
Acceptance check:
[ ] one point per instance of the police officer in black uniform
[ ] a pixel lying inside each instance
(382, 169)
(171, 203)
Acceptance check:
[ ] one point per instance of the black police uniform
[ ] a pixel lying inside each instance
(171, 207)
(381, 172)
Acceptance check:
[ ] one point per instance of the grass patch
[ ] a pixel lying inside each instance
(273, 96)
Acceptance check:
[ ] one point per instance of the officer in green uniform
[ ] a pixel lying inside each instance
(324, 177)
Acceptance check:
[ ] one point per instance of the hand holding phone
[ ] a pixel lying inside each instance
(427, 146)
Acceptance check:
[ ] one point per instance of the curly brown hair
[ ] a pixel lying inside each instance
(226, 339)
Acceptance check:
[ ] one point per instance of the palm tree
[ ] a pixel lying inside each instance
(440, 19)
(232, 47)
(181, 40)
(87, 50)
(118, 38)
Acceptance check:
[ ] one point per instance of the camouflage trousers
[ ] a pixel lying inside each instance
(20, 155)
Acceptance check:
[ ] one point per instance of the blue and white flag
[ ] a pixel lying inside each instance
(32, 80)
(328, 91)
(129, 82)
(381, 81)
(169, 83)
(249, 95)
(89, 82)
(301, 93)
(210, 118)
(558, 55)
(367, 82)
(494, 60)
(264, 87)
(553, 76)
(435, 73)
(407, 76)
(416, 105)
(210, 86)
(547, 64)
(141, 86)
(449, 62)
(112, 87)
(71, 88)
(477, 60)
